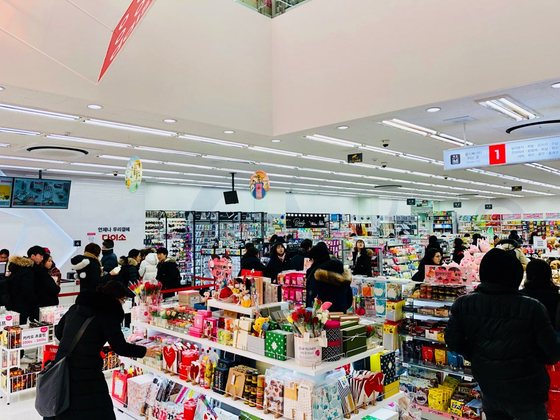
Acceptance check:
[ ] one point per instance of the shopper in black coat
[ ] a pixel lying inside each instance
(433, 243)
(45, 286)
(433, 257)
(298, 261)
(130, 268)
(109, 261)
(508, 338)
(88, 268)
(539, 286)
(167, 272)
(361, 259)
(251, 261)
(279, 261)
(89, 395)
(458, 250)
(21, 286)
(331, 283)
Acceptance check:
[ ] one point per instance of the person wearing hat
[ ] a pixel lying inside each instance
(109, 261)
(508, 338)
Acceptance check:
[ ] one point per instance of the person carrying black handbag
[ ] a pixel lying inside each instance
(89, 394)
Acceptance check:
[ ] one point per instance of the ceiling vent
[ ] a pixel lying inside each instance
(460, 120)
(57, 152)
(536, 129)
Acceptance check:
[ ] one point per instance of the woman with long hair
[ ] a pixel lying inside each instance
(539, 286)
(361, 259)
(433, 257)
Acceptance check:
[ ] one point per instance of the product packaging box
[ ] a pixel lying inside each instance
(256, 344)
(137, 392)
(279, 344)
(354, 340)
(391, 389)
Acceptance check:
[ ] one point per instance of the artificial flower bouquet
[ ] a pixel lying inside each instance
(310, 321)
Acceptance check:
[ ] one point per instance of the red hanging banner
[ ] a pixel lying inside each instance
(123, 30)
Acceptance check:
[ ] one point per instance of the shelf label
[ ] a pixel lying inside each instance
(509, 153)
(34, 336)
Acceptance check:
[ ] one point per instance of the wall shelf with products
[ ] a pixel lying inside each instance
(444, 222)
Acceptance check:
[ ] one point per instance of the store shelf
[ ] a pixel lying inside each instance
(288, 364)
(239, 402)
(437, 412)
(438, 369)
(423, 316)
(409, 337)
(232, 307)
(432, 300)
(119, 406)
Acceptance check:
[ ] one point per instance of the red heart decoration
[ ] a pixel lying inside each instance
(169, 354)
(369, 386)
(378, 382)
(194, 371)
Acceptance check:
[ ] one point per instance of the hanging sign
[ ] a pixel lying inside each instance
(457, 204)
(123, 30)
(410, 201)
(539, 242)
(260, 184)
(512, 152)
(356, 158)
(306, 220)
(488, 207)
(133, 174)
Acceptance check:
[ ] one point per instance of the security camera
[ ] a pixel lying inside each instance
(383, 164)
(445, 177)
(385, 143)
(115, 173)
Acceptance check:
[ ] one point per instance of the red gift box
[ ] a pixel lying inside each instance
(118, 391)
(49, 354)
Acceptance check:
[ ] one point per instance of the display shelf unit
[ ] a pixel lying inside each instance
(400, 258)
(253, 227)
(437, 412)
(154, 229)
(444, 222)
(239, 404)
(317, 370)
(232, 307)
(205, 237)
(408, 225)
(435, 368)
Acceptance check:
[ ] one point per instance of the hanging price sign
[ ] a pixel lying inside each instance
(34, 336)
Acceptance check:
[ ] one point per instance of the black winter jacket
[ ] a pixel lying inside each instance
(459, 253)
(275, 266)
(21, 284)
(362, 262)
(298, 261)
(89, 395)
(45, 287)
(330, 282)
(253, 263)
(109, 261)
(130, 271)
(508, 338)
(550, 298)
(169, 275)
(88, 271)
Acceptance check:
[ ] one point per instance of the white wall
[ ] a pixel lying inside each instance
(504, 206)
(93, 204)
(337, 60)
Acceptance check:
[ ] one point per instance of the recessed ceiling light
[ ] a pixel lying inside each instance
(229, 131)
(276, 140)
(343, 127)
(169, 121)
(2, 88)
(508, 108)
(433, 109)
(94, 106)
(553, 86)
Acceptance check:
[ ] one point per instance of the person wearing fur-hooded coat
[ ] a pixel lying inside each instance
(89, 270)
(21, 287)
(332, 284)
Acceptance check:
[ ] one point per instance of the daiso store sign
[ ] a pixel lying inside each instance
(114, 237)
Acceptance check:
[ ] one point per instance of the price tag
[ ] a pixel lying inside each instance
(34, 336)
(6, 320)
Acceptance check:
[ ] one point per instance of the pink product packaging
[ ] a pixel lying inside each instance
(195, 332)
(207, 314)
(199, 320)
(300, 280)
(211, 328)
(288, 279)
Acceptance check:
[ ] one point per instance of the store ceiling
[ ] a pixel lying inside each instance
(125, 100)
(312, 175)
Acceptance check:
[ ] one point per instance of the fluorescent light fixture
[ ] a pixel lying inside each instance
(159, 150)
(169, 120)
(206, 175)
(553, 86)
(31, 159)
(94, 106)
(4, 145)
(434, 109)
(277, 165)
(507, 107)
(68, 171)
(413, 128)
(274, 151)
(332, 140)
(130, 127)
(160, 171)
(229, 132)
(26, 168)
(187, 165)
(379, 150)
(276, 141)
(450, 139)
(323, 159)
(21, 132)
(319, 171)
(2, 88)
(343, 127)
(212, 141)
(228, 159)
(88, 141)
(239, 171)
(123, 158)
(96, 165)
(38, 112)
(281, 175)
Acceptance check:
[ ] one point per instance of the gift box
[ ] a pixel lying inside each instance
(241, 330)
(287, 327)
(195, 332)
(256, 344)
(220, 379)
(189, 297)
(137, 392)
(390, 336)
(332, 330)
(279, 344)
(210, 329)
(118, 390)
(394, 310)
(391, 389)
(199, 320)
(354, 340)
(225, 337)
(384, 362)
(348, 324)
(333, 351)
